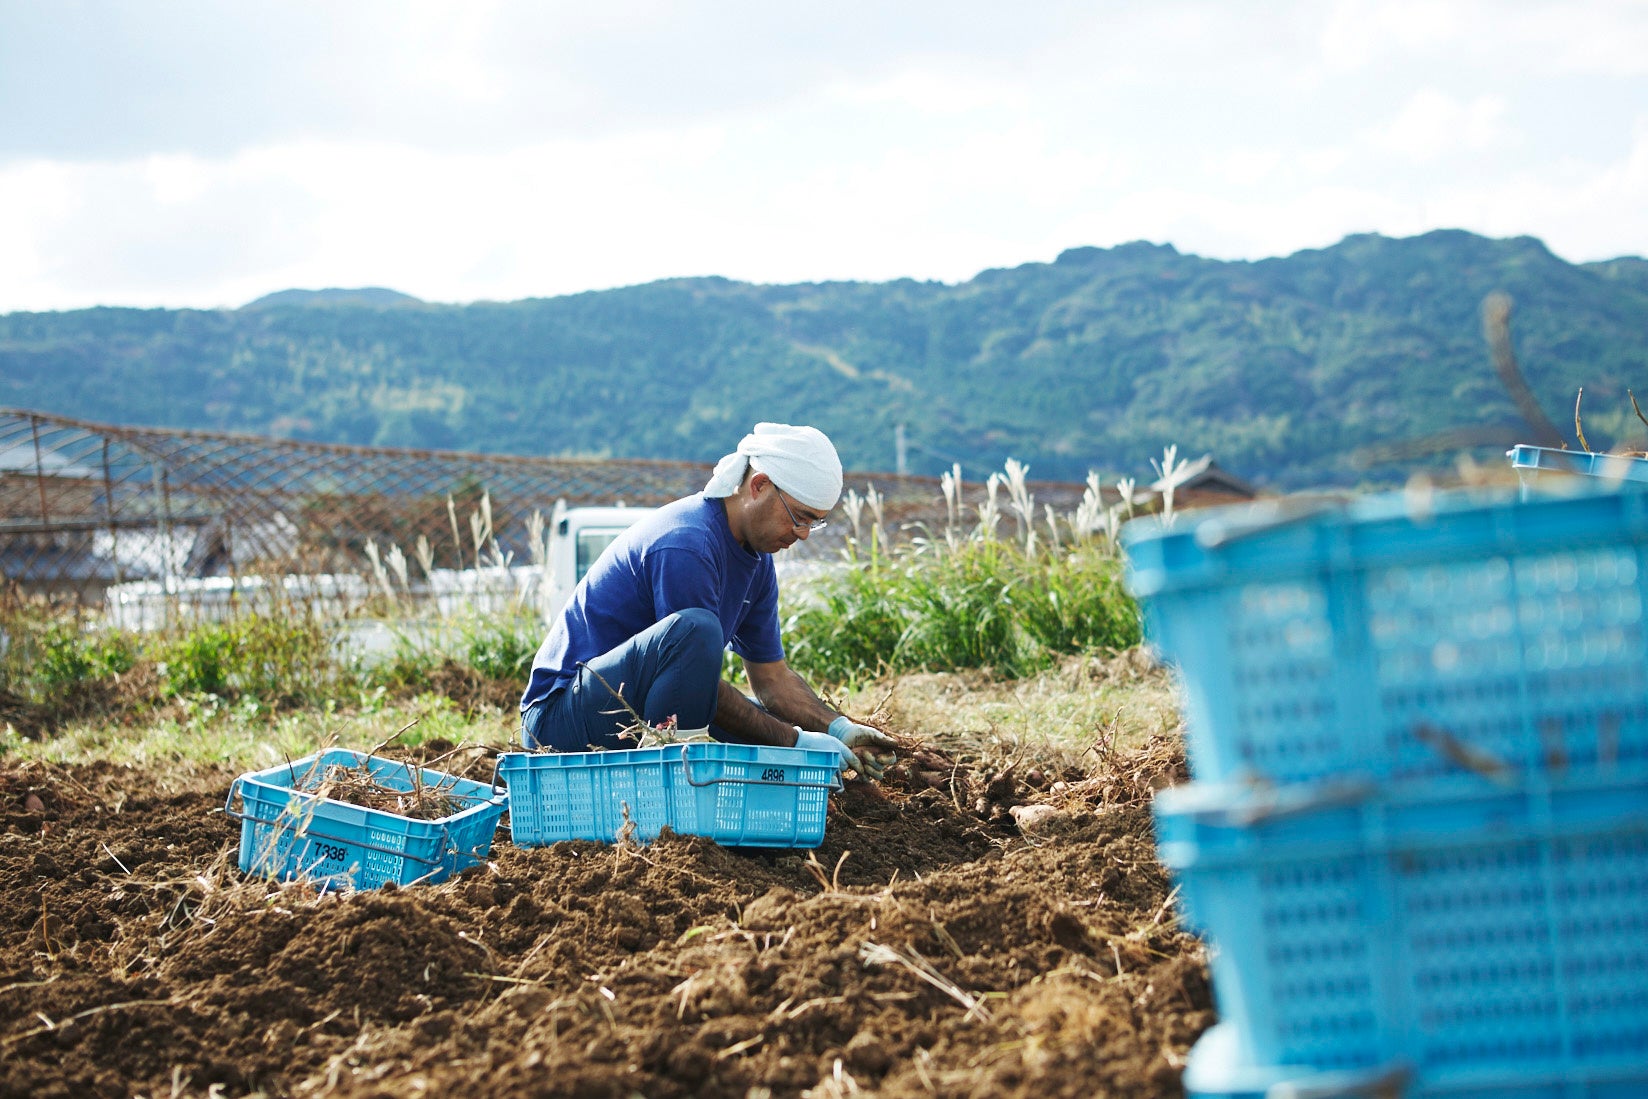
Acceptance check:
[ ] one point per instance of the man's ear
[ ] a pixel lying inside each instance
(758, 483)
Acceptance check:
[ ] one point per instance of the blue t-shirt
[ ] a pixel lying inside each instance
(682, 555)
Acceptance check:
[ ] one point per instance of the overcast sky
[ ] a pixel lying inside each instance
(205, 152)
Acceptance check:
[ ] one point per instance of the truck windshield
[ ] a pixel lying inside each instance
(590, 544)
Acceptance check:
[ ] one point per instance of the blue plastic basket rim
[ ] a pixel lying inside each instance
(1215, 1068)
(628, 757)
(1618, 467)
(1381, 530)
(1521, 814)
(265, 786)
(698, 751)
(677, 769)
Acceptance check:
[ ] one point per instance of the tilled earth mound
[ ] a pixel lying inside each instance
(958, 933)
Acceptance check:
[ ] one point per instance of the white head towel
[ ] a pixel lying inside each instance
(800, 460)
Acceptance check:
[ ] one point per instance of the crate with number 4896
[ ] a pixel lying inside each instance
(736, 794)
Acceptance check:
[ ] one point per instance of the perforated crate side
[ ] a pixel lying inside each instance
(738, 795)
(1215, 1069)
(584, 795)
(544, 797)
(471, 838)
(1500, 936)
(1488, 639)
(290, 834)
(752, 796)
(640, 788)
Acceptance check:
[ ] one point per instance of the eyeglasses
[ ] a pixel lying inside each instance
(810, 525)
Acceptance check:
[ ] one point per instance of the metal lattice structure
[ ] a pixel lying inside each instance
(85, 507)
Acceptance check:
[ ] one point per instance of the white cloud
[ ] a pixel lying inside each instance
(1324, 160)
(1246, 167)
(1358, 34)
(175, 179)
(201, 153)
(1585, 210)
(931, 92)
(1432, 124)
(1527, 37)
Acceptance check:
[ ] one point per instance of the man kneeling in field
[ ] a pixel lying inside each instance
(654, 613)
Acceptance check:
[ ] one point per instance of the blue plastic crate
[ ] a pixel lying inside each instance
(290, 834)
(1404, 636)
(1488, 944)
(1543, 468)
(738, 795)
(1215, 1070)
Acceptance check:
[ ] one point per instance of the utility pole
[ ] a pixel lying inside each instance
(901, 466)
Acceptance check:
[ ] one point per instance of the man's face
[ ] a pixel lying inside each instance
(781, 521)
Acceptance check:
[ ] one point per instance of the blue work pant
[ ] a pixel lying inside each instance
(671, 669)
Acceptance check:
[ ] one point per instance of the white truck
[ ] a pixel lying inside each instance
(576, 538)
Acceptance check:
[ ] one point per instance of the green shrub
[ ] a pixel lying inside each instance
(1078, 603)
(981, 604)
(274, 658)
(198, 661)
(849, 629)
(501, 648)
(50, 659)
(68, 657)
(409, 666)
(494, 647)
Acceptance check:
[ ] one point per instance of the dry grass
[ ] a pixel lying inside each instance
(359, 784)
(1121, 701)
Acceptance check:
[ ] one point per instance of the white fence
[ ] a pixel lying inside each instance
(445, 593)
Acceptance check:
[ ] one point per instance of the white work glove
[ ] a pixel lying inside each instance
(824, 742)
(866, 744)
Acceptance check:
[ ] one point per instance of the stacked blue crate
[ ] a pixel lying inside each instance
(1418, 836)
(1543, 468)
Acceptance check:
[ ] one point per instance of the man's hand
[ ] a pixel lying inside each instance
(824, 742)
(871, 748)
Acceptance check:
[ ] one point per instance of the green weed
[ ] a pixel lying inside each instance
(275, 658)
(494, 647)
(969, 599)
(981, 605)
(501, 648)
(53, 667)
(68, 657)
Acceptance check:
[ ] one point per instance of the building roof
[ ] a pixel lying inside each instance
(1204, 475)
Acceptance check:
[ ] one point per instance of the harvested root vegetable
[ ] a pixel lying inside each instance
(1038, 819)
(358, 785)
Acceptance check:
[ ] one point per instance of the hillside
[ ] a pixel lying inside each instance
(368, 295)
(1283, 368)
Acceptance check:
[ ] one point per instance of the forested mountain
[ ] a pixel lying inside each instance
(1286, 369)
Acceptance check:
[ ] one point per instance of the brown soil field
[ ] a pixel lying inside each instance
(931, 946)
